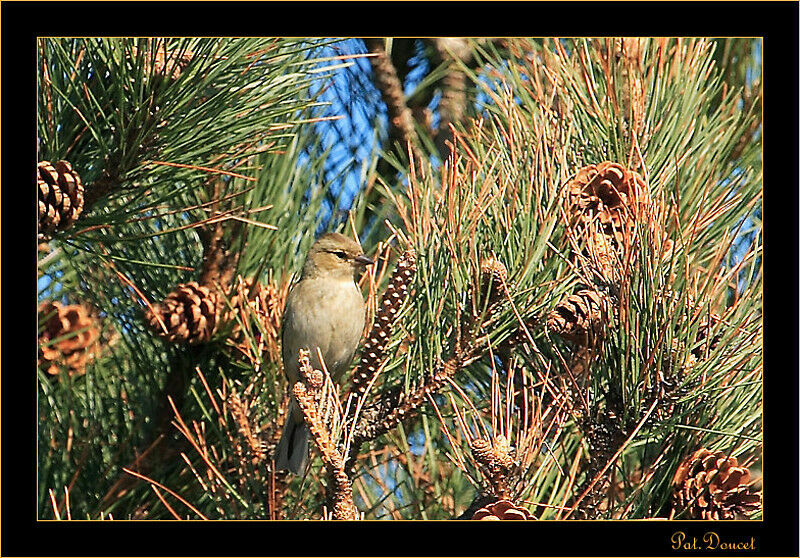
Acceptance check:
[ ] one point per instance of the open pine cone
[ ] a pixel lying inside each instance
(606, 191)
(79, 332)
(603, 203)
(60, 196)
(709, 485)
(190, 314)
(581, 317)
(502, 510)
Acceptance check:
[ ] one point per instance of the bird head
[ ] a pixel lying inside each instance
(335, 255)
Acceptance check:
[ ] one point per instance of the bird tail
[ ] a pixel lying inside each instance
(291, 453)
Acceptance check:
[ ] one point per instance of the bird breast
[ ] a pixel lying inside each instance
(324, 313)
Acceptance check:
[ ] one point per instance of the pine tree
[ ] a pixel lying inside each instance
(564, 321)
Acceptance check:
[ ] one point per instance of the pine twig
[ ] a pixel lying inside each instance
(401, 119)
(453, 103)
(218, 261)
(344, 507)
(394, 406)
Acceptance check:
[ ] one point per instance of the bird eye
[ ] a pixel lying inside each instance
(341, 255)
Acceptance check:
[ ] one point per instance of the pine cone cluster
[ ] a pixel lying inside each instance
(603, 202)
(77, 332)
(60, 196)
(710, 485)
(502, 510)
(190, 314)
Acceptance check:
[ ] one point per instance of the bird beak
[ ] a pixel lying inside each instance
(362, 259)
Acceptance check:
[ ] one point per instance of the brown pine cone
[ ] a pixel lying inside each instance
(502, 510)
(706, 345)
(581, 317)
(495, 273)
(630, 49)
(60, 196)
(190, 314)
(496, 460)
(169, 64)
(709, 485)
(79, 332)
(495, 454)
(381, 331)
(603, 203)
(605, 188)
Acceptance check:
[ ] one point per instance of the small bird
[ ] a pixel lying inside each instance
(324, 310)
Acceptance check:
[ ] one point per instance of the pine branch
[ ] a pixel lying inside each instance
(310, 401)
(401, 120)
(395, 406)
(453, 103)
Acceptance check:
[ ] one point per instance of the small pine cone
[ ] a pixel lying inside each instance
(503, 510)
(494, 273)
(80, 332)
(190, 314)
(676, 363)
(381, 331)
(60, 196)
(606, 196)
(581, 317)
(702, 346)
(267, 300)
(482, 450)
(174, 63)
(316, 425)
(495, 459)
(629, 49)
(706, 345)
(709, 485)
(312, 377)
(239, 411)
(602, 255)
(344, 509)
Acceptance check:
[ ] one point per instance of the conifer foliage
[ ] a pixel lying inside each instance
(564, 318)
